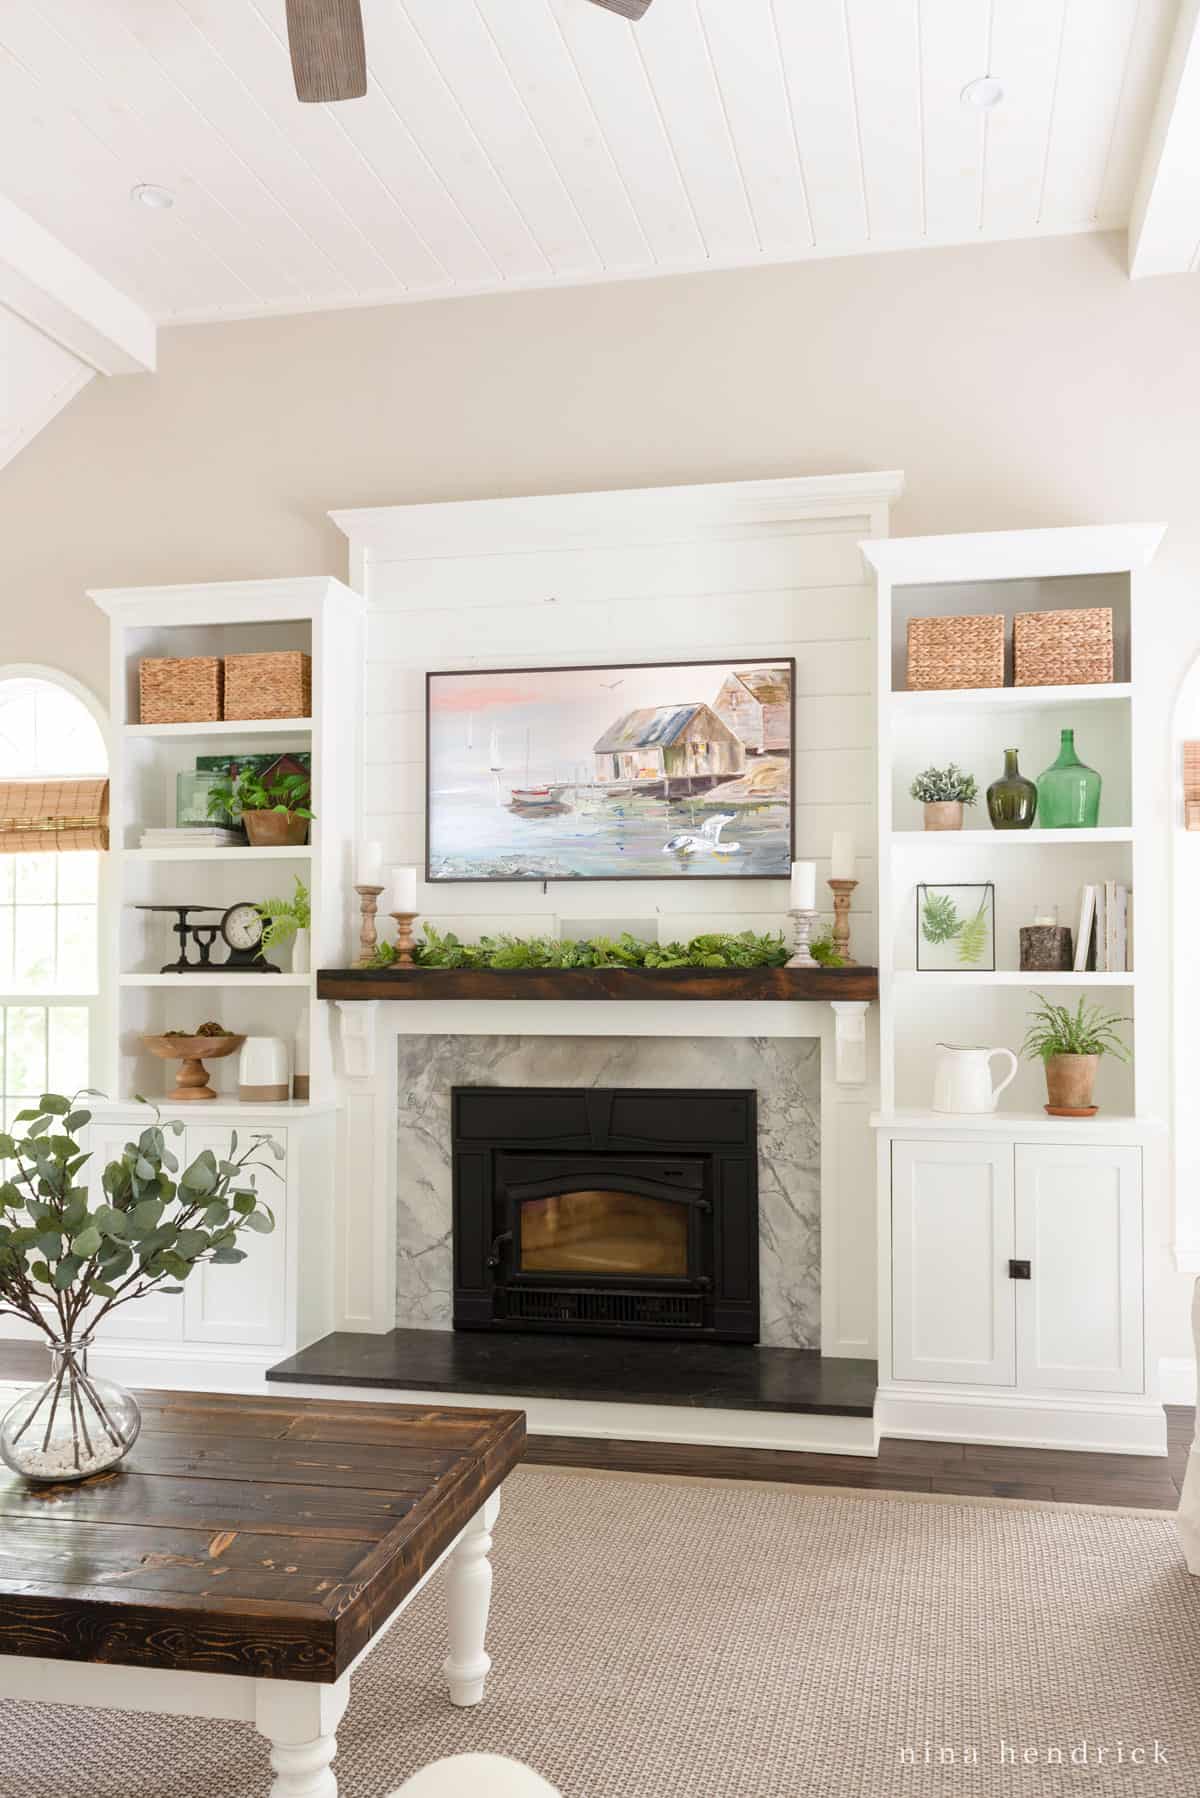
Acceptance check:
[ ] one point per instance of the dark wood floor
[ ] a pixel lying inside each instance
(1039, 1473)
(902, 1466)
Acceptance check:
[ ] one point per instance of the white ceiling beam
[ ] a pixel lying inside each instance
(63, 296)
(1164, 223)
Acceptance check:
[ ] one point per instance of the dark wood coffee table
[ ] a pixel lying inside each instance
(247, 1557)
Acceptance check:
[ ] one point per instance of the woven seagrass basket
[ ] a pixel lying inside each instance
(272, 684)
(179, 689)
(1063, 649)
(956, 652)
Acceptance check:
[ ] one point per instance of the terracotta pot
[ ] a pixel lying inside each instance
(1070, 1081)
(943, 814)
(275, 830)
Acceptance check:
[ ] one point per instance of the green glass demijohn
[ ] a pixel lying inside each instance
(1012, 800)
(1069, 791)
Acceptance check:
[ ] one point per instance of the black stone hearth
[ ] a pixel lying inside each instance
(723, 1375)
(606, 1212)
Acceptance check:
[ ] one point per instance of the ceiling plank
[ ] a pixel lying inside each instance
(954, 51)
(1164, 225)
(815, 47)
(52, 288)
(885, 64)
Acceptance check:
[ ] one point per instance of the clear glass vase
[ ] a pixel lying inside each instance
(71, 1427)
(1068, 792)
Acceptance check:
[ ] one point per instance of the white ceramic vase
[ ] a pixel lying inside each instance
(301, 953)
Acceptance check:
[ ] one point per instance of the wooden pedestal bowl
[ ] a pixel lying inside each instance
(192, 1052)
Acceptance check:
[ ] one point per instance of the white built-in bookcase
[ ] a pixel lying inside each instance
(1005, 572)
(1013, 1301)
(324, 619)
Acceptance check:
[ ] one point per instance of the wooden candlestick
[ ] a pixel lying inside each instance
(404, 938)
(841, 890)
(368, 940)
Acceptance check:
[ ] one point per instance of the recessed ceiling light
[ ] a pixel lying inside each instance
(983, 93)
(159, 199)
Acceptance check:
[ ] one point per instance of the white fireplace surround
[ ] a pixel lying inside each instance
(758, 568)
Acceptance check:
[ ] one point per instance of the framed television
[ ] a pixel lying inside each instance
(622, 771)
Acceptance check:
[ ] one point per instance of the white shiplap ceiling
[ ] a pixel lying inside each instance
(509, 143)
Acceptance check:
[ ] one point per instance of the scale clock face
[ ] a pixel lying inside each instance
(242, 927)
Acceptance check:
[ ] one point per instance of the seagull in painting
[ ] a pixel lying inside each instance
(709, 837)
(610, 684)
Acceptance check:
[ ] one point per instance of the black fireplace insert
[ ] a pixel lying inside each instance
(606, 1211)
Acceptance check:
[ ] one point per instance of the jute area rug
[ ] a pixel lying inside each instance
(680, 1639)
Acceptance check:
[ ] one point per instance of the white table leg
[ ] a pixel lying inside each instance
(300, 1721)
(468, 1595)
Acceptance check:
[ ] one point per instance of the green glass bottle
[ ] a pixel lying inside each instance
(1069, 791)
(1012, 800)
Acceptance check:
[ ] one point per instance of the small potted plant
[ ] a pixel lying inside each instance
(70, 1255)
(943, 792)
(1070, 1044)
(288, 921)
(276, 815)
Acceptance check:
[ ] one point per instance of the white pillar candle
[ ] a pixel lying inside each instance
(804, 886)
(842, 855)
(404, 889)
(370, 865)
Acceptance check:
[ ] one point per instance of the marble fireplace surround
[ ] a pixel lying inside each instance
(784, 1071)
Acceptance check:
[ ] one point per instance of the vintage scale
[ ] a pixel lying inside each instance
(239, 927)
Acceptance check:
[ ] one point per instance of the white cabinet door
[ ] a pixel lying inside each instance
(158, 1317)
(243, 1303)
(1079, 1225)
(952, 1237)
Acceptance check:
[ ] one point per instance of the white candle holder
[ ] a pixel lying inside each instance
(802, 925)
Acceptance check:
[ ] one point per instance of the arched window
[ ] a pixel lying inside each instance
(49, 903)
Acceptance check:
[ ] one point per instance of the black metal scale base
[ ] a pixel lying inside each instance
(235, 925)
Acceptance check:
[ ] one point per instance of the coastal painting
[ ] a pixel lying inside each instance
(632, 772)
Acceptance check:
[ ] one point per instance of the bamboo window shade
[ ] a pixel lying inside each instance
(39, 817)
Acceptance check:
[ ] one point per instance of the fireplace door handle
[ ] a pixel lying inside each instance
(493, 1259)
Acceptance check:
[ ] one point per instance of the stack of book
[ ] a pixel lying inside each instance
(1104, 940)
(193, 836)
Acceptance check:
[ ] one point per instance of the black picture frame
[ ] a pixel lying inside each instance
(727, 662)
(956, 886)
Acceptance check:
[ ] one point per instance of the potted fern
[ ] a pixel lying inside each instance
(943, 792)
(288, 921)
(1070, 1044)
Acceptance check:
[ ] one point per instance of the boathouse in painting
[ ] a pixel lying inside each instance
(669, 742)
(756, 704)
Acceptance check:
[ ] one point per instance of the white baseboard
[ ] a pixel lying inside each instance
(799, 1432)
(1177, 1380)
(1122, 1426)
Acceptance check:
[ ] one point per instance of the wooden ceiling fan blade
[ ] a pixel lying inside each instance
(329, 57)
(628, 9)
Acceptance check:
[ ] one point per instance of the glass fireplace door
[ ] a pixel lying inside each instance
(605, 1232)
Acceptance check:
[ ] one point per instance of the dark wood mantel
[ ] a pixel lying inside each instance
(598, 983)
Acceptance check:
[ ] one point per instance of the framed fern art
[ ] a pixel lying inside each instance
(956, 929)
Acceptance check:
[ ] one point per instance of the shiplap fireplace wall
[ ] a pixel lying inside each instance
(753, 569)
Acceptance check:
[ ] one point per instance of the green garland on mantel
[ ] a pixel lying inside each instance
(438, 949)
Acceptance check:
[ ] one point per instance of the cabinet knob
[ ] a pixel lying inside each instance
(1019, 1270)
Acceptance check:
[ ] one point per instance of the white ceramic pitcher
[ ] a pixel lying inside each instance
(962, 1078)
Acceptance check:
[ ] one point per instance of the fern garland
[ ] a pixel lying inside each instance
(442, 949)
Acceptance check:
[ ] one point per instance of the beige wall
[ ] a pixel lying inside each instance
(1015, 384)
(1023, 384)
